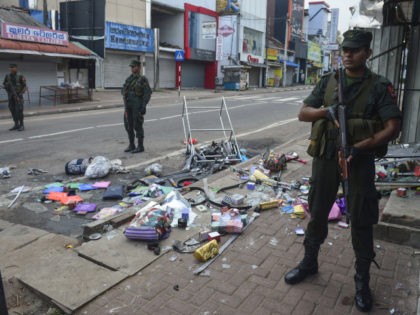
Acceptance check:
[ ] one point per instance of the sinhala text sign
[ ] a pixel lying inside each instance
(128, 37)
(34, 34)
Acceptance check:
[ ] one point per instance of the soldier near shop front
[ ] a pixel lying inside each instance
(373, 119)
(136, 92)
(15, 85)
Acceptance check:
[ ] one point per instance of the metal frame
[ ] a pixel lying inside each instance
(230, 149)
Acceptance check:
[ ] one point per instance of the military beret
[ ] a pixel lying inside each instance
(12, 65)
(356, 39)
(134, 63)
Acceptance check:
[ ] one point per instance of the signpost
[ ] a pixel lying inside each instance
(179, 58)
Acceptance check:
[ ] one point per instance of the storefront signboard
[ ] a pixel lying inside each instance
(34, 34)
(128, 37)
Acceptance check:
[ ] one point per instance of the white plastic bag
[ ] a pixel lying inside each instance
(100, 167)
(153, 169)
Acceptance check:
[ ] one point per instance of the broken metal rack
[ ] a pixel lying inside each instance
(227, 152)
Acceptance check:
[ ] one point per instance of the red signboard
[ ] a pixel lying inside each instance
(34, 34)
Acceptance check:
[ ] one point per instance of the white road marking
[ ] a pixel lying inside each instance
(12, 140)
(148, 120)
(59, 133)
(244, 97)
(109, 125)
(182, 151)
(280, 123)
(169, 117)
(288, 99)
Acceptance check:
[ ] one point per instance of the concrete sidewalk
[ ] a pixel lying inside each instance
(112, 98)
(116, 276)
(247, 278)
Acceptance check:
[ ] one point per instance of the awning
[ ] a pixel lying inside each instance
(26, 48)
(251, 64)
(291, 64)
(274, 64)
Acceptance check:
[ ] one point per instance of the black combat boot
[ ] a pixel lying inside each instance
(308, 266)
(363, 298)
(140, 147)
(131, 146)
(15, 127)
(21, 127)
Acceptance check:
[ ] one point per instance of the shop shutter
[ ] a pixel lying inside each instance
(116, 69)
(193, 73)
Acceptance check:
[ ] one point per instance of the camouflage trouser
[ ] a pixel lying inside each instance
(16, 108)
(133, 122)
(363, 202)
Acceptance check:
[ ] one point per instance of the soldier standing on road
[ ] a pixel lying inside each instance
(15, 85)
(373, 120)
(136, 92)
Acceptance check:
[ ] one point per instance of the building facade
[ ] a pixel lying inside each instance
(47, 58)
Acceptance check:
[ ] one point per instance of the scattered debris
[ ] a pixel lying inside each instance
(36, 171)
(5, 172)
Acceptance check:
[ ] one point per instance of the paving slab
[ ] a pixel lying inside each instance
(116, 252)
(13, 236)
(59, 274)
(403, 210)
(20, 255)
(4, 224)
(124, 255)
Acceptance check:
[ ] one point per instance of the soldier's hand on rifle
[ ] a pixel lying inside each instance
(331, 114)
(351, 153)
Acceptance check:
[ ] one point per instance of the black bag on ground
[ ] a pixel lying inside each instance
(77, 166)
(114, 192)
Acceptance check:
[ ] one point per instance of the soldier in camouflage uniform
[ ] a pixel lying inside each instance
(15, 85)
(373, 120)
(136, 93)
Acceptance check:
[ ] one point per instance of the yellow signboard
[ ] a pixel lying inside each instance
(227, 7)
(272, 54)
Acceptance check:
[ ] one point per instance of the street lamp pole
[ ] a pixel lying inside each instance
(285, 58)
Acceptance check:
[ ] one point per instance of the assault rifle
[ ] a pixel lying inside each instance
(13, 90)
(343, 143)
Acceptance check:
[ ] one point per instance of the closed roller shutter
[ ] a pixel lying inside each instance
(38, 72)
(116, 69)
(167, 73)
(254, 77)
(193, 73)
(150, 70)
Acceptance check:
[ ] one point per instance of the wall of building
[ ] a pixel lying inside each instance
(127, 12)
(252, 25)
(38, 71)
(179, 4)
(318, 18)
(171, 28)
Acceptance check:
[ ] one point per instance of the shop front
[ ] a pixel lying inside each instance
(47, 59)
(314, 64)
(275, 68)
(252, 55)
(124, 43)
(199, 69)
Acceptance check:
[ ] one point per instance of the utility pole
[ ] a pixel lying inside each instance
(286, 41)
(156, 59)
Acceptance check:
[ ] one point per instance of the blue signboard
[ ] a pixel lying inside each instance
(128, 37)
(179, 55)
